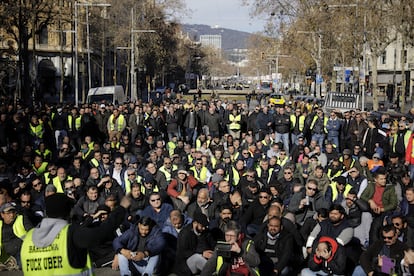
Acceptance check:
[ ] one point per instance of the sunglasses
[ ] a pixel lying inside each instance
(263, 197)
(312, 189)
(156, 199)
(387, 237)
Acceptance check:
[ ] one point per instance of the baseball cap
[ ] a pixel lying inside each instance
(7, 207)
(377, 155)
(102, 106)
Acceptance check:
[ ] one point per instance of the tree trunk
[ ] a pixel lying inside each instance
(374, 81)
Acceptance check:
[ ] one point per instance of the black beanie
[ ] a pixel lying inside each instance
(58, 206)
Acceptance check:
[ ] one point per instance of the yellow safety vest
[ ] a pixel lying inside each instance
(220, 261)
(301, 122)
(348, 187)
(190, 159)
(407, 136)
(259, 173)
(37, 130)
(18, 229)
(202, 177)
(78, 122)
(155, 190)
(94, 162)
(325, 122)
(45, 155)
(236, 177)
(235, 122)
(171, 147)
(338, 173)
(39, 171)
(56, 182)
(120, 122)
(52, 259)
(167, 173)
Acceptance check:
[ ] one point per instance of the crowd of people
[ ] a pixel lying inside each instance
(204, 187)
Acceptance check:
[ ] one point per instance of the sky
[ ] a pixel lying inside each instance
(222, 13)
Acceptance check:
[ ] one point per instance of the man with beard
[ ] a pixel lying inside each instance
(271, 246)
(336, 227)
(194, 247)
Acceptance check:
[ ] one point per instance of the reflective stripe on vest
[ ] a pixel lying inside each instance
(41, 169)
(167, 173)
(301, 122)
(325, 122)
(120, 122)
(78, 122)
(235, 122)
(202, 177)
(36, 130)
(338, 173)
(52, 259)
(56, 182)
(259, 173)
(18, 229)
(335, 190)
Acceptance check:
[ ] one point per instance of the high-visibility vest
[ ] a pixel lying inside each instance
(198, 144)
(283, 162)
(167, 173)
(94, 162)
(301, 122)
(235, 122)
(338, 173)
(45, 155)
(171, 147)
(56, 182)
(325, 122)
(18, 229)
(39, 171)
(154, 190)
(52, 259)
(220, 261)
(236, 177)
(348, 187)
(190, 159)
(86, 155)
(36, 131)
(259, 173)
(202, 176)
(407, 136)
(120, 122)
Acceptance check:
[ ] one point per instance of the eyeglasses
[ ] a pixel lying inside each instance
(118, 163)
(263, 197)
(249, 175)
(131, 174)
(282, 153)
(312, 189)
(287, 173)
(25, 202)
(199, 163)
(245, 153)
(155, 199)
(387, 237)
(105, 157)
(167, 163)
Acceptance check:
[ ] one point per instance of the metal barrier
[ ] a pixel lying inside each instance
(343, 101)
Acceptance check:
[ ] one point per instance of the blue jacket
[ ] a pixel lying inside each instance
(130, 240)
(160, 217)
(333, 127)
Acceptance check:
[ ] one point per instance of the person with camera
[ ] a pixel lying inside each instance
(328, 259)
(237, 256)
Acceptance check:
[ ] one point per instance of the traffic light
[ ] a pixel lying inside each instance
(262, 55)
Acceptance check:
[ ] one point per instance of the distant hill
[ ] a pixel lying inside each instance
(230, 39)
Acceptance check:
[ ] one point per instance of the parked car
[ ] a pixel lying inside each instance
(277, 99)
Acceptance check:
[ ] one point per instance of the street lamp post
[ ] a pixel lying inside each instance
(83, 4)
(132, 72)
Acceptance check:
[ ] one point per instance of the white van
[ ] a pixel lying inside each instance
(109, 94)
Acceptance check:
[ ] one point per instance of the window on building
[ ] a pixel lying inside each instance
(383, 57)
(43, 36)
